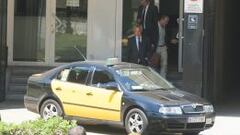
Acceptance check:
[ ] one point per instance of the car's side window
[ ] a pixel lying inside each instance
(102, 79)
(63, 75)
(78, 75)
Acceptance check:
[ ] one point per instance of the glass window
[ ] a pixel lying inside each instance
(29, 30)
(63, 75)
(102, 78)
(71, 30)
(77, 75)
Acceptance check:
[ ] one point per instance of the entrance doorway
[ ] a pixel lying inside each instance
(174, 37)
(171, 8)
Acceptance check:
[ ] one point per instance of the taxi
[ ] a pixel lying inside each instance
(117, 93)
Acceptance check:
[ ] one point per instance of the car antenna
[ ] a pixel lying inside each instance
(75, 47)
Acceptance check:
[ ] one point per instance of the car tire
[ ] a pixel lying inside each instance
(192, 133)
(136, 122)
(50, 108)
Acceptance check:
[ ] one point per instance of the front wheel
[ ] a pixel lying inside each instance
(136, 122)
(50, 108)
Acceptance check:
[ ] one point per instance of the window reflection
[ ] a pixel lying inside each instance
(29, 30)
(71, 30)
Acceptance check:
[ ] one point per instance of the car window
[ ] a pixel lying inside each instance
(78, 75)
(63, 75)
(102, 78)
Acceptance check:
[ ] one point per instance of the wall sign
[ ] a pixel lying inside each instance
(193, 6)
(192, 22)
(72, 3)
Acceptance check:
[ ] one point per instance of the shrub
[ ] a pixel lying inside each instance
(54, 126)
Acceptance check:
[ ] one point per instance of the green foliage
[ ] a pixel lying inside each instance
(54, 126)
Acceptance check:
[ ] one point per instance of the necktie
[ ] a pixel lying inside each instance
(138, 43)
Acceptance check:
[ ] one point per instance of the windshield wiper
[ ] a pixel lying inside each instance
(139, 90)
(164, 89)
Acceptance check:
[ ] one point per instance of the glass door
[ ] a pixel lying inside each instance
(29, 30)
(69, 30)
(26, 31)
(46, 32)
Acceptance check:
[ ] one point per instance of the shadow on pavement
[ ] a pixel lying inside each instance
(11, 104)
(104, 129)
(109, 130)
(229, 107)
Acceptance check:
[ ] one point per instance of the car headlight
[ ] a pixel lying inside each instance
(170, 110)
(208, 108)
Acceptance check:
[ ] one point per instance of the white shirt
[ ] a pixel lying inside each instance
(145, 15)
(137, 41)
(162, 34)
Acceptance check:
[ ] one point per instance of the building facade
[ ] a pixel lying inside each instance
(46, 33)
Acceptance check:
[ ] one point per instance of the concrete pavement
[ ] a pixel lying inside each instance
(226, 123)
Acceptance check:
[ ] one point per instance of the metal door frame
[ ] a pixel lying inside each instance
(3, 48)
(180, 36)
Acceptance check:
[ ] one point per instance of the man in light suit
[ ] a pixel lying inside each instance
(162, 45)
(137, 47)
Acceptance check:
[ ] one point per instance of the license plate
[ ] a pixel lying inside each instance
(209, 121)
(196, 119)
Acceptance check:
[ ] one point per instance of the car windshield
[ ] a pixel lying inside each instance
(143, 79)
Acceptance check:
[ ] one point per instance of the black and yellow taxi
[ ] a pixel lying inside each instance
(133, 96)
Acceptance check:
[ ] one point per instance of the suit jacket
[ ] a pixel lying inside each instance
(151, 23)
(136, 55)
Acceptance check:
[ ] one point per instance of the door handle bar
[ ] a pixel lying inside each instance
(89, 94)
(59, 89)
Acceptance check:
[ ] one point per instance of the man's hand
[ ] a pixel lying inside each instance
(174, 41)
(138, 21)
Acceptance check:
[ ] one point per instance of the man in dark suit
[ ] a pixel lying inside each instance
(137, 47)
(148, 19)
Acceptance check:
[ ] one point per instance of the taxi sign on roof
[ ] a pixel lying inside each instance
(112, 61)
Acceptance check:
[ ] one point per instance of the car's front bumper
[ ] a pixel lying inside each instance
(179, 124)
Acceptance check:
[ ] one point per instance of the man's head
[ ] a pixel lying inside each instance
(144, 2)
(137, 30)
(164, 20)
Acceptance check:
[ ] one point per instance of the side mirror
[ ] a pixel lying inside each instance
(112, 86)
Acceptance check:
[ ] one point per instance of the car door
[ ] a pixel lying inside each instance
(104, 103)
(70, 87)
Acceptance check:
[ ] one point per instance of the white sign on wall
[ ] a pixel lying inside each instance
(193, 6)
(72, 3)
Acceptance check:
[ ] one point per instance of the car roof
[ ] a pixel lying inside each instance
(103, 64)
(118, 65)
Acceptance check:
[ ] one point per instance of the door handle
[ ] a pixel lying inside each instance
(59, 89)
(89, 94)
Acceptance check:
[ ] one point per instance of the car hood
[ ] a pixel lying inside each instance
(172, 97)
